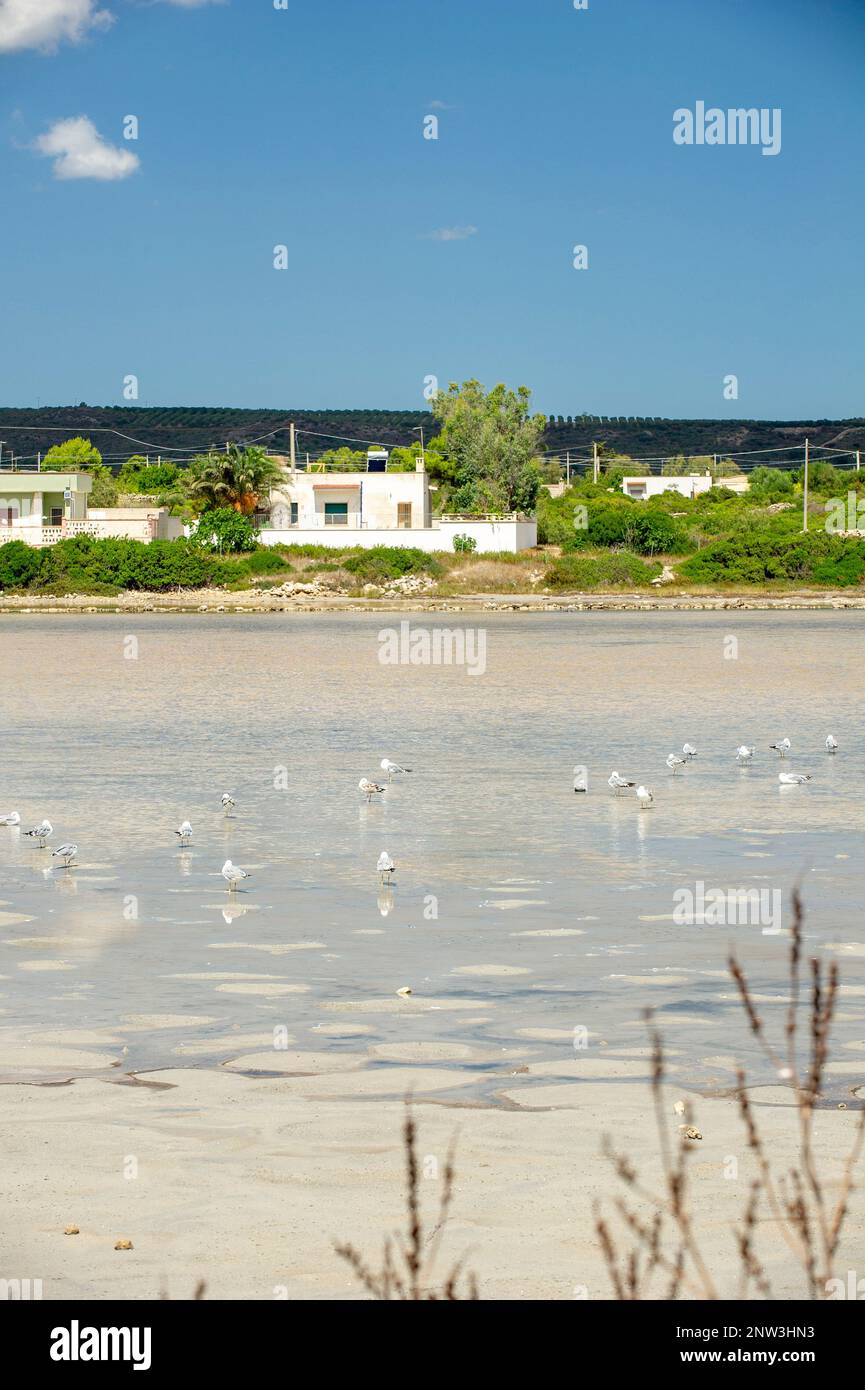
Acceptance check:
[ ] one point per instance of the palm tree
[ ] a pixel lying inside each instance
(240, 478)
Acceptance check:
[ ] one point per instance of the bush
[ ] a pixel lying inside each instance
(464, 545)
(225, 530)
(383, 562)
(779, 553)
(771, 485)
(578, 572)
(81, 562)
(639, 526)
(20, 565)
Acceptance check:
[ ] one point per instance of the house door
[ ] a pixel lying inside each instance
(403, 515)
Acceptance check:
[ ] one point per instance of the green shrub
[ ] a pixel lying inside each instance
(225, 530)
(383, 562)
(81, 561)
(464, 545)
(20, 565)
(579, 572)
(779, 552)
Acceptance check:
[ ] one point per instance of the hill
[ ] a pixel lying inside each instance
(181, 431)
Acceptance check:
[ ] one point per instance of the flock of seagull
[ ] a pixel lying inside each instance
(675, 761)
(232, 873)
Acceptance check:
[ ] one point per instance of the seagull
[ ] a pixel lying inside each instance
(782, 748)
(793, 779)
(744, 753)
(645, 797)
(41, 832)
(185, 832)
(233, 875)
(618, 783)
(385, 866)
(11, 818)
(674, 762)
(689, 750)
(831, 744)
(65, 852)
(369, 788)
(390, 768)
(227, 802)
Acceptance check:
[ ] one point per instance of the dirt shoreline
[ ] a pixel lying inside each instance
(221, 601)
(246, 1182)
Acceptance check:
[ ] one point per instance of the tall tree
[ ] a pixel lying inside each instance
(493, 441)
(72, 456)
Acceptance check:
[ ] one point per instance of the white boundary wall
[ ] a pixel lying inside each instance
(491, 536)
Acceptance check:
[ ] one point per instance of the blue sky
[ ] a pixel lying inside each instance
(410, 258)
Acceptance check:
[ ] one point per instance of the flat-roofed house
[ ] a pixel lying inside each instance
(689, 485)
(379, 508)
(43, 508)
(36, 507)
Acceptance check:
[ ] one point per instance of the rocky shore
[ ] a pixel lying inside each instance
(295, 597)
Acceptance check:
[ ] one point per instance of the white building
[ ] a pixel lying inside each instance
(380, 508)
(43, 508)
(690, 485)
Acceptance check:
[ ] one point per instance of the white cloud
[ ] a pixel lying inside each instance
(46, 23)
(79, 152)
(451, 233)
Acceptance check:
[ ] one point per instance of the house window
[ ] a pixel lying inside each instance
(403, 514)
(292, 521)
(336, 513)
(56, 516)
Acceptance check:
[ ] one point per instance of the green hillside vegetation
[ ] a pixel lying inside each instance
(719, 538)
(195, 429)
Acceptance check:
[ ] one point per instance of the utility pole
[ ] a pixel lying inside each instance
(596, 466)
(292, 446)
(2, 442)
(805, 490)
(858, 452)
(568, 467)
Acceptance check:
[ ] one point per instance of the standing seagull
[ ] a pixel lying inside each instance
(185, 832)
(385, 866)
(233, 875)
(227, 802)
(41, 832)
(744, 754)
(645, 797)
(619, 784)
(390, 768)
(782, 748)
(793, 779)
(11, 818)
(674, 762)
(369, 789)
(67, 853)
(831, 744)
(689, 751)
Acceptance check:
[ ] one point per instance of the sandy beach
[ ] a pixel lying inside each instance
(246, 1182)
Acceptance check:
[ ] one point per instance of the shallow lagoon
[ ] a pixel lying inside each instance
(520, 912)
